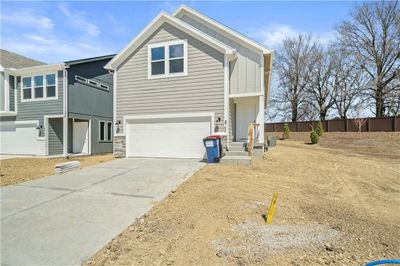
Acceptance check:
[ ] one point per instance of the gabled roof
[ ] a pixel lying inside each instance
(153, 26)
(89, 60)
(220, 28)
(12, 60)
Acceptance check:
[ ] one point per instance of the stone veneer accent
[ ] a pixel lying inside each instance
(119, 147)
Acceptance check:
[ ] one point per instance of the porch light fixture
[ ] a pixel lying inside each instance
(118, 122)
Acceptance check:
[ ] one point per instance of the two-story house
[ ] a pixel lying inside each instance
(55, 109)
(182, 78)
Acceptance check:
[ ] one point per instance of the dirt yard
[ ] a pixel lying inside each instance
(19, 170)
(335, 207)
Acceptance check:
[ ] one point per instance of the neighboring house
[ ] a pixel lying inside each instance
(55, 109)
(182, 78)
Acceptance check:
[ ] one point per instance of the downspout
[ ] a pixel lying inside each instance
(226, 100)
(65, 113)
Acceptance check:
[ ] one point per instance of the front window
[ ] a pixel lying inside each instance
(167, 59)
(105, 131)
(158, 61)
(39, 87)
(38, 81)
(27, 88)
(51, 85)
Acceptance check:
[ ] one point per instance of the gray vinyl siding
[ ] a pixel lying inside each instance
(245, 71)
(36, 110)
(202, 90)
(55, 136)
(11, 82)
(2, 91)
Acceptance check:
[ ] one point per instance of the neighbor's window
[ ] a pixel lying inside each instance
(167, 59)
(39, 87)
(105, 129)
(27, 88)
(51, 85)
(38, 81)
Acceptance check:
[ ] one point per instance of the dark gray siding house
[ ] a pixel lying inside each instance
(90, 98)
(55, 109)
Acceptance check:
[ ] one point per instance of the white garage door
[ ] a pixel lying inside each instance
(171, 138)
(19, 138)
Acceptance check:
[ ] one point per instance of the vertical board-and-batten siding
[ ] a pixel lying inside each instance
(245, 71)
(202, 90)
(36, 110)
(55, 136)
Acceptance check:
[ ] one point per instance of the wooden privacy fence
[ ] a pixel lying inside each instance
(371, 124)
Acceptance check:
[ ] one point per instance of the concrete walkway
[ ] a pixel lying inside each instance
(65, 219)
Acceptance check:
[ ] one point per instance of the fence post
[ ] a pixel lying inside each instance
(368, 126)
(297, 126)
(394, 124)
(345, 125)
(327, 125)
(273, 127)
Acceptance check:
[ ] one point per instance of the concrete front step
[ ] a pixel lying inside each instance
(236, 149)
(236, 153)
(237, 144)
(244, 160)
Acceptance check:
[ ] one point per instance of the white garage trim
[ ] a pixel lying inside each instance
(150, 129)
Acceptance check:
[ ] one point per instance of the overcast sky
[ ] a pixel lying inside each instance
(59, 31)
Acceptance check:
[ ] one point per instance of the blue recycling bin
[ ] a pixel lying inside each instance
(212, 149)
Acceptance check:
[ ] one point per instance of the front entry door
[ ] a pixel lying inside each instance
(245, 114)
(81, 137)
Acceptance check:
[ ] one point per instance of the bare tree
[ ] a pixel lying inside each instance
(347, 83)
(293, 63)
(319, 87)
(372, 38)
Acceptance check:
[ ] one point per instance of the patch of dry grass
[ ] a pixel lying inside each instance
(13, 171)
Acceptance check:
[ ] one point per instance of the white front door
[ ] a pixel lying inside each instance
(171, 138)
(80, 137)
(246, 113)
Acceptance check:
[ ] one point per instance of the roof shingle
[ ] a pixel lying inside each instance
(12, 60)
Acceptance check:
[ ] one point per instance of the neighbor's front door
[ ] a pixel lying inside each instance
(245, 114)
(81, 137)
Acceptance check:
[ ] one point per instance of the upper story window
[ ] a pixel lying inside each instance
(167, 59)
(39, 87)
(92, 83)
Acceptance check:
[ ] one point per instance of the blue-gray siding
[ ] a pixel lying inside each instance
(55, 136)
(91, 103)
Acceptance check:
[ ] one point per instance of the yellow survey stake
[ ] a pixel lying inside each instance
(272, 208)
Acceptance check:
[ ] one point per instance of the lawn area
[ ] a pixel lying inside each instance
(13, 171)
(336, 206)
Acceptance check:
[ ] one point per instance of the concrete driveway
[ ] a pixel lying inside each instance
(64, 219)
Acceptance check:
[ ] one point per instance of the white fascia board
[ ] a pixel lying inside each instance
(152, 26)
(222, 29)
(40, 69)
(168, 115)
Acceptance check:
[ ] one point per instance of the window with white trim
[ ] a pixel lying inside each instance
(105, 131)
(39, 87)
(167, 59)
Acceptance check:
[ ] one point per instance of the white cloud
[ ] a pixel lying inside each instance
(28, 18)
(78, 20)
(273, 35)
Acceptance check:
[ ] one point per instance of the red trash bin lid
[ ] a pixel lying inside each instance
(215, 137)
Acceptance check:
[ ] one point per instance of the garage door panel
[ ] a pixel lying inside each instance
(21, 139)
(167, 139)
